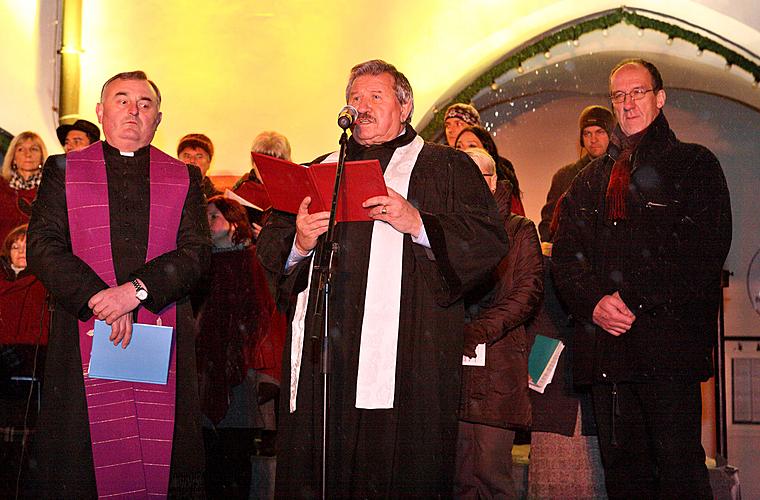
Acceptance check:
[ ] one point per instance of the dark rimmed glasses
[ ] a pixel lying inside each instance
(636, 95)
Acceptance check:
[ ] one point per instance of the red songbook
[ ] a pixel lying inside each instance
(255, 194)
(289, 183)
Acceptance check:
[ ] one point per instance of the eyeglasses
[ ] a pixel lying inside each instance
(636, 95)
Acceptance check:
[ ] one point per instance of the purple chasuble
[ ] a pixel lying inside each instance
(131, 424)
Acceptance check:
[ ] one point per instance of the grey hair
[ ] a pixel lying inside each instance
(132, 75)
(376, 67)
(272, 144)
(482, 159)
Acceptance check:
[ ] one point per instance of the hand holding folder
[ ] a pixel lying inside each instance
(288, 184)
(145, 359)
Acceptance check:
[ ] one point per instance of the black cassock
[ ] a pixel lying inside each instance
(407, 450)
(61, 456)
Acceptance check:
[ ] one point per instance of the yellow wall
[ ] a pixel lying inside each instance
(233, 68)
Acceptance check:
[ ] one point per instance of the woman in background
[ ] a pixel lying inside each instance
(24, 323)
(21, 175)
(238, 350)
(23, 311)
(476, 136)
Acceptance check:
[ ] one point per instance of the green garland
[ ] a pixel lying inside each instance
(574, 33)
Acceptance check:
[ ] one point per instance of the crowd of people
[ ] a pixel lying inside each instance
(413, 380)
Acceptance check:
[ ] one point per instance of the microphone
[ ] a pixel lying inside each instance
(347, 116)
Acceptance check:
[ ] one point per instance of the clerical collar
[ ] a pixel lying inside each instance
(111, 151)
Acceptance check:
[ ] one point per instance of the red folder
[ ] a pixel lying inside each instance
(289, 183)
(255, 194)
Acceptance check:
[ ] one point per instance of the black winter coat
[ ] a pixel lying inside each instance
(497, 394)
(561, 180)
(665, 260)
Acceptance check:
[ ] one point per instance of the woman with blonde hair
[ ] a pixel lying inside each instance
(21, 175)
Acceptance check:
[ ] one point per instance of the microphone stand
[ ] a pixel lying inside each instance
(325, 251)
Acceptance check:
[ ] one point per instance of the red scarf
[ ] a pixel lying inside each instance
(620, 177)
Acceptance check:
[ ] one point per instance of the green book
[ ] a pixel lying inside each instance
(542, 361)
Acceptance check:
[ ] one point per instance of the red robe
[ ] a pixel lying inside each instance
(22, 308)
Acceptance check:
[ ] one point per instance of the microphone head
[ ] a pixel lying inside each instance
(347, 116)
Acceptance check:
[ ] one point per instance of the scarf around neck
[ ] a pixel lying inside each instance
(616, 197)
(19, 183)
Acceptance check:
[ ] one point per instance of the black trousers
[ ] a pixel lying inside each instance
(650, 440)
(228, 462)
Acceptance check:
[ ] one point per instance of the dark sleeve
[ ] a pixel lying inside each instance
(577, 283)
(467, 237)
(70, 281)
(171, 276)
(688, 266)
(560, 183)
(513, 305)
(273, 248)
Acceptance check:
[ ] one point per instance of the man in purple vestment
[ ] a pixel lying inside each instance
(119, 233)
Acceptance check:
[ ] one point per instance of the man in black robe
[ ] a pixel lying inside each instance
(449, 237)
(61, 463)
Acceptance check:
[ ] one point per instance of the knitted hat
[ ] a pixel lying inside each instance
(464, 112)
(598, 116)
(196, 141)
(89, 128)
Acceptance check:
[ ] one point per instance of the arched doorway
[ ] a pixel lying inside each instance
(530, 102)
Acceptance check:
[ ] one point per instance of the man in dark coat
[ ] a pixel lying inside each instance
(494, 399)
(133, 190)
(595, 124)
(643, 233)
(396, 292)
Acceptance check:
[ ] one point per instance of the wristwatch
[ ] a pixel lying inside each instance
(140, 292)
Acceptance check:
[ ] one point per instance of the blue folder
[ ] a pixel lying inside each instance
(146, 358)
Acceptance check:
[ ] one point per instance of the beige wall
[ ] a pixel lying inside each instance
(233, 68)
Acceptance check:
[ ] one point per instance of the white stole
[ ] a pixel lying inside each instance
(376, 377)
